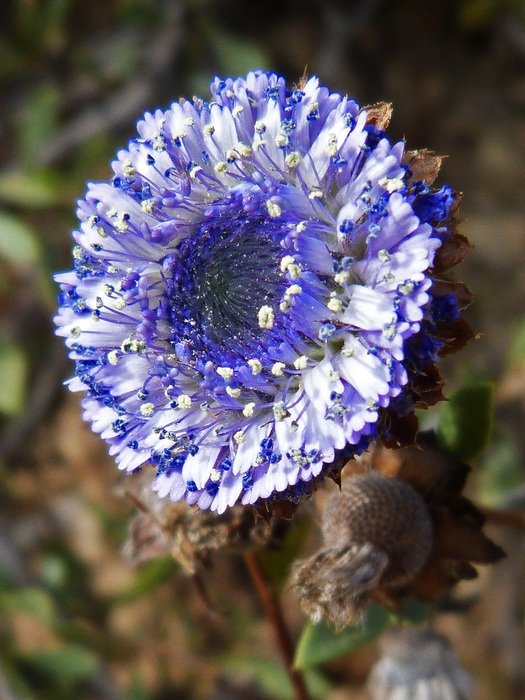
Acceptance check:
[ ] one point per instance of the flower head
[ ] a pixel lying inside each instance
(252, 291)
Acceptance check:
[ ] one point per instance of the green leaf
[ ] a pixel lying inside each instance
(18, 243)
(32, 189)
(237, 55)
(33, 601)
(276, 562)
(38, 121)
(321, 643)
(68, 664)
(414, 612)
(150, 575)
(465, 422)
(13, 375)
(272, 678)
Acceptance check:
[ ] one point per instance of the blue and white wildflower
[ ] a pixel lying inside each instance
(246, 288)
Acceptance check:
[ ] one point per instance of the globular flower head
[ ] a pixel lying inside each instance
(418, 664)
(252, 292)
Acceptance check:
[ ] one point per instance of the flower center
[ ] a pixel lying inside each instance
(220, 277)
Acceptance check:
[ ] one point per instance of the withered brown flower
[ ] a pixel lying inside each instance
(398, 528)
(189, 535)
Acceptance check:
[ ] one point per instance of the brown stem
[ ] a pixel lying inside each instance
(504, 516)
(274, 614)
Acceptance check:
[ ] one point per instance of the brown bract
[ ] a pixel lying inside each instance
(458, 540)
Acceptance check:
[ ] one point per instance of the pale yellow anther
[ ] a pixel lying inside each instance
(293, 290)
(128, 169)
(348, 352)
(249, 409)
(239, 437)
(277, 369)
(208, 129)
(285, 305)
(244, 150)
(215, 475)
(279, 411)
(293, 159)
(120, 304)
(121, 222)
(341, 277)
(190, 121)
(255, 365)
(195, 170)
(301, 226)
(225, 372)
(180, 134)
(184, 401)
(234, 393)
(281, 140)
(335, 304)
(315, 194)
(259, 126)
(148, 206)
(265, 317)
(273, 208)
(113, 357)
(332, 145)
(301, 362)
(237, 110)
(159, 144)
(147, 409)
(333, 376)
(220, 167)
(133, 345)
(259, 144)
(407, 287)
(286, 261)
(391, 184)
(294, 271)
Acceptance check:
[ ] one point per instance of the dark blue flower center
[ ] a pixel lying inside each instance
(219, 278)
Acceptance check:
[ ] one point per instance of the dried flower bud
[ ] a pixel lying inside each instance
(189, 535)
(418, 664)
(376, 531)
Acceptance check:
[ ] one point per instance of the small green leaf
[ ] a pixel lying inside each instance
(236, 54)
(465, 422)
(414, 612)
(150, 575)
(272, 678)
(276, 562)
(33, 601)
(321, 643)
(18, 243)
(38, 121)
(32, 189)
(69, 664)
(13, 375)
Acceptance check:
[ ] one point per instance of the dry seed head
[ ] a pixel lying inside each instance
(386, 513)
(377, 532)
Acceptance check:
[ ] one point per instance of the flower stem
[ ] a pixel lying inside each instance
(275, 616)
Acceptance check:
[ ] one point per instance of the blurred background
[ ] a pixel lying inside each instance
(78, 619)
